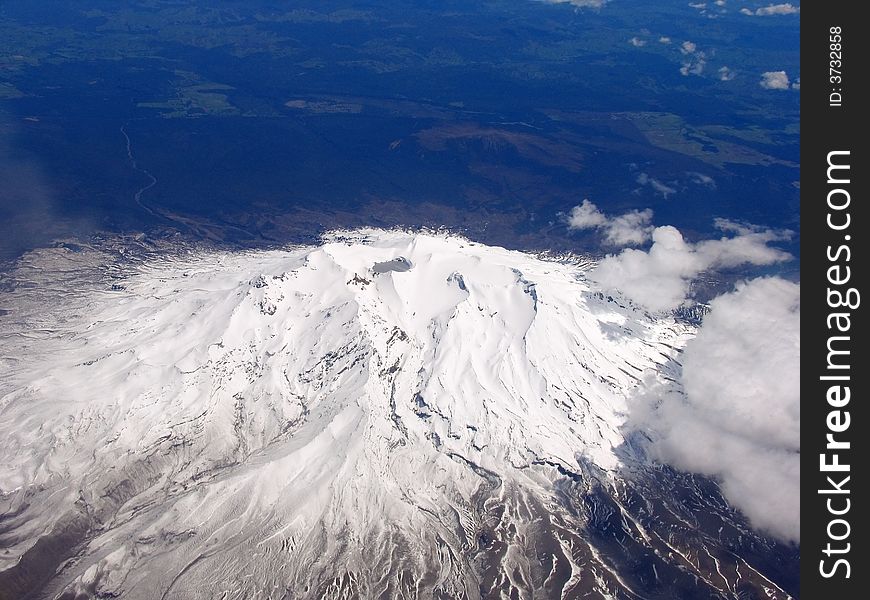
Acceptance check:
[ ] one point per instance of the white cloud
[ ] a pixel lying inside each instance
(695, 60)
(586, 216)
(746, 11)
(688, 47)
(694, 67)
(628, 229)
(656, 185)
(777, 9)
(748, 245)
(637, 42)
(797, 84)
(659, 278)
(664, 40)
(726, 74)
(702, 179)
(774, 80)
(698, 5)
(579, 3)
(720, 2)
(739, 419)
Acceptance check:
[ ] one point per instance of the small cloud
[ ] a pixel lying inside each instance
(586, 216)
(797, 84)
(746, 11)
(695, 60)
(628, 229)
(695, 67)
(748, 246)
(726, 74)
(702, 179)
(659, 279)
(698, 5)
(579, 3)
(739, 417)
(637, 42)
(688, 47)
(664, 40)
(720, 2)
(774, 80)
(656, 185)
(777, 9)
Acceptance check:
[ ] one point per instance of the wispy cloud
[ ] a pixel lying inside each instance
(702, 179)
(637, 42)
(726, 74)
(659, 187)
(579, 3)
(695, 67)
(694, 61)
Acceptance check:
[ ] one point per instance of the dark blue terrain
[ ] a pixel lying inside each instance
(265, 122)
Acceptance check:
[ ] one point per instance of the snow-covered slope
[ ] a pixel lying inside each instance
(388, 415)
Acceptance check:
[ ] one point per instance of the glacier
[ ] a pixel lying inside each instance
(388, 414)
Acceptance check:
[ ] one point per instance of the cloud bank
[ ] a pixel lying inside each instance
(659, 278)
(739, 419)
(628, 229)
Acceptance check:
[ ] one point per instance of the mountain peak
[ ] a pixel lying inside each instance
(290, 419)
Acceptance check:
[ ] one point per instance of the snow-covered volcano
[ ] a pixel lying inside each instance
(388, 415)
